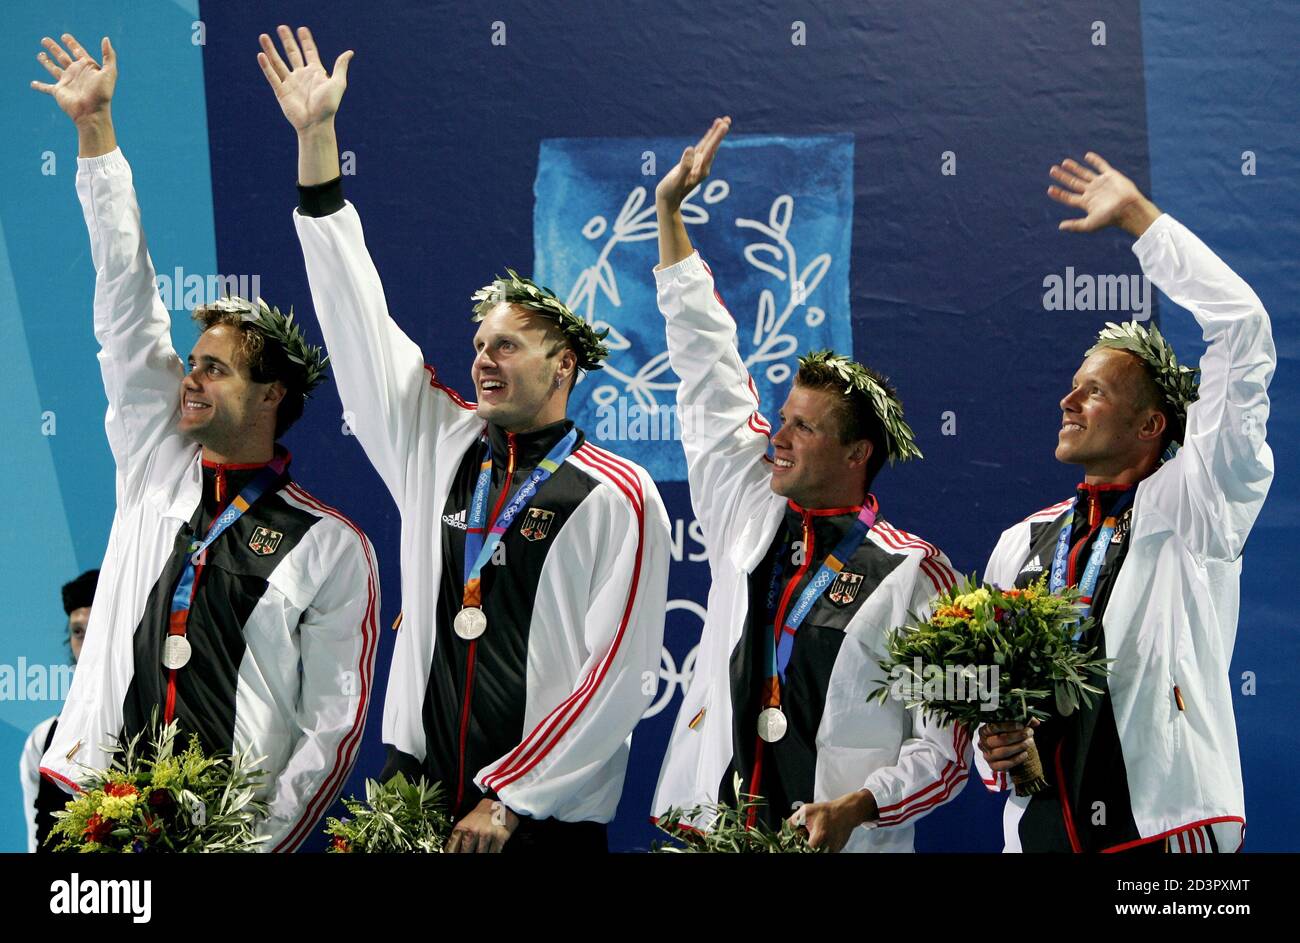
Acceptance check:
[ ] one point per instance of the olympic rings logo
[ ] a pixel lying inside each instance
(670, 676)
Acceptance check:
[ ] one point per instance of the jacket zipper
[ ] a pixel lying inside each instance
(473, 645)
(169, 708)
(219, 492)
(757, 779)
(1094, 520)
(1075, 846)
(1072, 579)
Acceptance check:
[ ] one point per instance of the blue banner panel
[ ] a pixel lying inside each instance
(774, 224)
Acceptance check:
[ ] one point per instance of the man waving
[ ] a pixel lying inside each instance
(1152, 539)
(230, 600)
(534, 565)
(808, 577)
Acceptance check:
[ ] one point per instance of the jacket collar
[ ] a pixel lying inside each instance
(1093, 502)
(833, 512)
(529, 447)
(760, 529)
(223, 480)
(825, 521)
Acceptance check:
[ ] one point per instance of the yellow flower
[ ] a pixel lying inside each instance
(118, 807)
(972, 600)
(166, 773)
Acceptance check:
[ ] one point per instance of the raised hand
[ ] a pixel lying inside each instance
(1106, 196)
(308, 96)
(692, 169)
(82, 88)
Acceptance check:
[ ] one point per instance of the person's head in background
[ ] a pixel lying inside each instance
(77, 597)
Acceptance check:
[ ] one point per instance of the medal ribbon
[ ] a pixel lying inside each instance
(183, 595)
(779, 652)
(477, 550)
(1092, 572)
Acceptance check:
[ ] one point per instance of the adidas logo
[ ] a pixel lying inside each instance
(1034, 567)
(460, 519)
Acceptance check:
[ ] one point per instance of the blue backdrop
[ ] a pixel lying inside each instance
(933, 125)
(774, 222)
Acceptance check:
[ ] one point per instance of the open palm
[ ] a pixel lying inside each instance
(307, 94)
(1102, 192)
(693, 168)
(82, 88)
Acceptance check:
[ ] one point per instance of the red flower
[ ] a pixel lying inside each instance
(341, 844)
(120, 789)
(97, 829)
(160, 799)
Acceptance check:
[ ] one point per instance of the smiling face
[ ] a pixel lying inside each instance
(1108, 424)
(811, 465)
(222, 408)
(522, 369)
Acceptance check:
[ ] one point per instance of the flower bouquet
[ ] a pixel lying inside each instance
(398, 816)
(988, 655)
(157, 799)
(732, 829)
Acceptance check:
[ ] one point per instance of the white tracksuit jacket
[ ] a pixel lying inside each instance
(305, 676)
(911, 766)
(596, 633)
(1172, 615)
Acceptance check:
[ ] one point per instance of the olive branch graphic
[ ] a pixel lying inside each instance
(773, 253)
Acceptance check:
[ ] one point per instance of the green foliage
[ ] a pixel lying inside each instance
(157, 799)
(722, 829)
(512, 288)
(1027, 634)
(888, 409)
(398, 816)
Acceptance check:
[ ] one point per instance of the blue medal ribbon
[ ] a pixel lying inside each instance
(182, 596)
(479, 550)
(779, 652)
(1092, 572)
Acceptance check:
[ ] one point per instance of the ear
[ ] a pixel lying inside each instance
(275, 392)
(568, 366)
(860, 453)
(1153, 426)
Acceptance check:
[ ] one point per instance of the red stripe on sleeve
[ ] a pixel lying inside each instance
(50, 774)
(455, 397)
(936, 792)
(552, 728)
(345, 753)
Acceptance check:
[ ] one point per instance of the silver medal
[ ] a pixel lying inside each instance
(176, 651)
(771, 724)
(470, 623)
